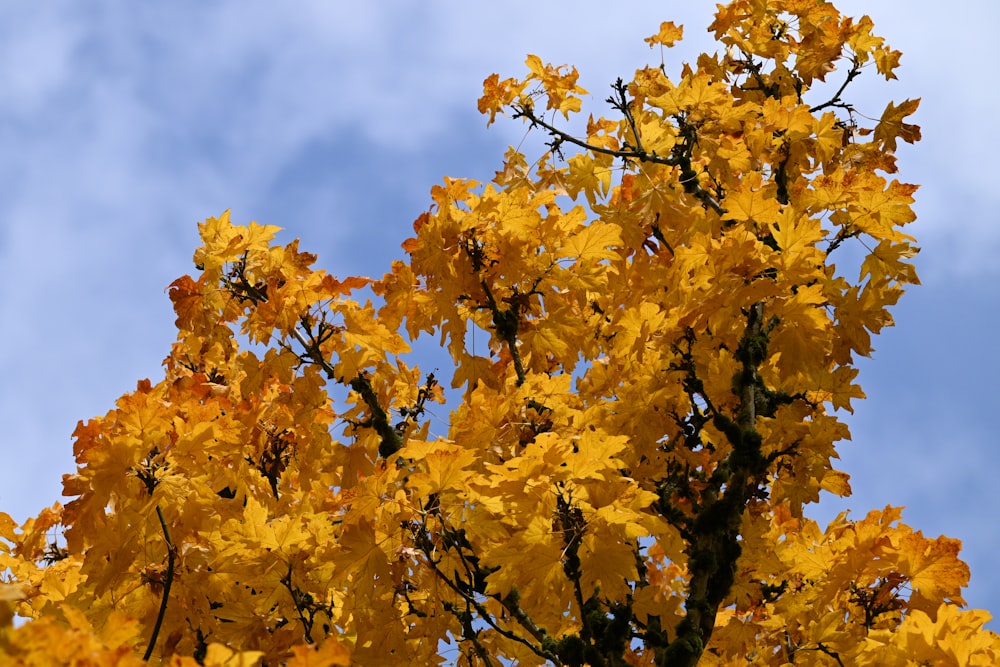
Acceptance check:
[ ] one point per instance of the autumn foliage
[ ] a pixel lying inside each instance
(651, 342)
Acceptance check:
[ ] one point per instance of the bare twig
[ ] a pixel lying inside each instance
(620, 102)
(823, 649)
(626, 155)
(835, 100)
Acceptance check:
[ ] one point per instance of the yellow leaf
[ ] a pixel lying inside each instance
(219, 655)
(935, 572)
(595, 456)
(14, 592)
(497, 94)
(797, 236)
(225, 242)
(595, 242)
(891, 125)
(668, 35)
(533, 559)
(329, 654)
(445, 464)
(607, 564)
(752, 202)
(559, 84)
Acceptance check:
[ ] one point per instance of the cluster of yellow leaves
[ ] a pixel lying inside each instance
(557, 84)
(73, 640)
(872, 592)
(650, 341)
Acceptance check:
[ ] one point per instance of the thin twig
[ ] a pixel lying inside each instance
(392, 441)
(631, 154)
(621, 103)
(835, 100)
(823, 649)
(167, 581)
(297, 600)
(679, 159)
(472, 634)
(506, 323)
(508, 603)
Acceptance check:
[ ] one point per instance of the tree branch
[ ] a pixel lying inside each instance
(681, 159)
(392, 441)
(834, 101)
(469, 632)
(489, 620)
(713, 545)
(468, 592)
(168, 580)
(301, 600)
(620, 102)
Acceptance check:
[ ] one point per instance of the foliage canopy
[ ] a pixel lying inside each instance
(650, 342)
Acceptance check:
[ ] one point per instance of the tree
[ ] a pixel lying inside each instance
(650, 341)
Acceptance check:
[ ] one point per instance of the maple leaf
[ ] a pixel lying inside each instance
(595, 242)
(497, 94)
(934, 570)
(891, 126)
(609, 565)
(225, 242)
(445, 466)
(560, 86)
(668, 35)
(361, 551)
(752, 202)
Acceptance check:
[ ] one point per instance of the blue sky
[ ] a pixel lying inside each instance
(124, 124)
